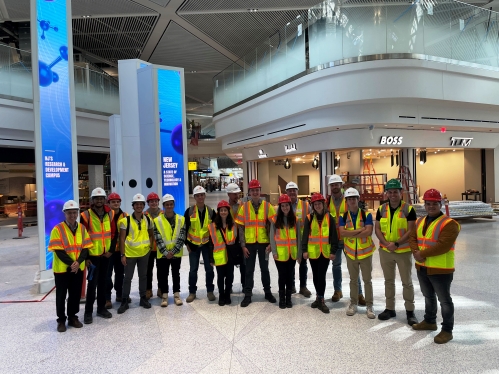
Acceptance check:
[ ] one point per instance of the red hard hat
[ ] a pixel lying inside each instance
(432, 195)
(223, 204)
(113, 196)
(284, 199)
(254, 184)
(317, 197)
(152, 196)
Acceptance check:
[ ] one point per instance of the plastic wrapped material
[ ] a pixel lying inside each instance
(462, 209)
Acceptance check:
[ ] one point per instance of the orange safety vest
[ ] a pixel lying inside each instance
(357, 248)
(302, 208)
(318, 239)
(220, 255)
(337, 214)
(255, 226)
(154, 246)
(100, 232)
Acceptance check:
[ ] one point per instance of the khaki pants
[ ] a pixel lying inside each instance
(390, 260)
(366, 266)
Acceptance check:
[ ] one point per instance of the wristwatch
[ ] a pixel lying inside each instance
(123, 255)
(396, 244)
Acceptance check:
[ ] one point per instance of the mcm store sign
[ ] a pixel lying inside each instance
(463, 142)
(395, 140)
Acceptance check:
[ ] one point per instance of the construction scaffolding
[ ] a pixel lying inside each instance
(409, 189)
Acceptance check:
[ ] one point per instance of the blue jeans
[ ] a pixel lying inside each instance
(194, 266)
(431, 287)
(337, 277)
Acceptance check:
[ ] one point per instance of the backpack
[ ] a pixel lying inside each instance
(128, 223)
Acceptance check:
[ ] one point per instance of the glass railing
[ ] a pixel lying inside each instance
(95, 91)
(340, 32)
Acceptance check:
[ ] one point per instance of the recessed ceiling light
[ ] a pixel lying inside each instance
(386, 125)
(432, 127)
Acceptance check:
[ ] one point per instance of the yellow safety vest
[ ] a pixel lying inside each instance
(357, 248)
(337, 214)
(154, 248)
(430, 239)
(199, 234)
(169, 236)
(286, 243)
(220, 255)
(137, 243)
(100, 232)
(318, 239)
(62, 238)
(255, 226)
(398, 227)
(302, 209)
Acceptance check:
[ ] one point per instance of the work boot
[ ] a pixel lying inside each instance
(293, 290)
(61, 326)
(411, 318)
(246, 301)
(352, 309)
(282, 300)
(323, 307)
(362, 300)
(270, 297)
(144, 303)
(87, 319)
(148, 294)
(164, 300)
(221, 300)
(423, 325)
(177, 299)
(211, 296)
(370, 312)
(109, 304)
(289, 304)
(337, 296)
(104, 313)
(316, 303)
(443, 337)
(387, 314)
(159, 293)
(123, 307)
(191, 297)
(305, 292)
(228, 301)
(74, 322)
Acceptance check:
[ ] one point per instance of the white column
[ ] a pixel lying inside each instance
(495, 197)
(95, 177)
(326, 168)
(116, 152)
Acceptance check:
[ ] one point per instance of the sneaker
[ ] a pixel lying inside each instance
(74, 322)
(109, 304)
(352, 309)
(370, 312)
(246, 301)
(305, 292)
(159, 293)
(293, 290)
(148, 294)
(323, 307)
(411, 318)
(387, 314)
(61, 326)
(123, 307)
(337, 296)
(443, 337)
(177, 299)
(270, 297)
(362, 300)
(164, 300)
(423, 325)
(87, 318)
(211, 296)
(191, 297)
(316, 303)
(144, 303)
(104, 313)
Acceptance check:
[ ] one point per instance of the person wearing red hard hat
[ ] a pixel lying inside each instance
(432, 243)
(319, 244)
(153, 212)
(254, 219)
(233, 191)
(285, 244)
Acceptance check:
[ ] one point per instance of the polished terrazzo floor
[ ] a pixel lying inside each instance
(202, 337)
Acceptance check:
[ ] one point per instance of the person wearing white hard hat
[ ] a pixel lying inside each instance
(356, 228)
(153, 211)
(70, 242)
(233, 191)
(169, 234)
(136, 240)
(197, 220)
(98, 220)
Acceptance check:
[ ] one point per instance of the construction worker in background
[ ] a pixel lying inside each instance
(98, 222)
(70, 242)
(337, 206)
(356, 228)
(153, 212)
(301, 209)
(136, 240)
(170, 234)
(254, 219)
(233, 192)
(114, 201)
(319, 244)
(432, 242)
(197, 220)
(394, 221)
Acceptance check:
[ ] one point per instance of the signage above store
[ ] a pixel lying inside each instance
(395, 140)
(290, 148)
(193, 165)
(261, 154)
(463, 142)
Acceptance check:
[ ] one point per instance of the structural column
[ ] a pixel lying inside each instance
(95, 177)
(326, 160)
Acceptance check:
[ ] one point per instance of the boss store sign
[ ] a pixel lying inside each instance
(391, 140)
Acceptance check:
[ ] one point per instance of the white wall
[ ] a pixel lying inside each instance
(307, 169)
(472, 169)
(352, 165)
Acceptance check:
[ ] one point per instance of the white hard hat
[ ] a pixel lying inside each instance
(96, 192)
(351, 192)
(233, 188)
(70, 205)
(198, 189)
(168, 197)
(291, 185)
(138, 198)
(335, 178)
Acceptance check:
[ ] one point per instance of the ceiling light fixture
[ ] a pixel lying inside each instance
(252, 10)
(287, 164)
(315, 163)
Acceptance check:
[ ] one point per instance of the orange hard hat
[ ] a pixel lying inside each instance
(254, 184)
(113, 196)
(284, 199)
(432, 195)
(317, 197)
(223, 204)
(152, 196)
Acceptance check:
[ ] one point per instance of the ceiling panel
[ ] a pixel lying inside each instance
(163, 3)
(210, 5)
(199, 85)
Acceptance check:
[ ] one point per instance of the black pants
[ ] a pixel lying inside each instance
(225, 276)
(163, 265)
(286, 270)
(98, 283)
(263, 258)
(119, 272)
(303, 270)
(150, 268)
(319, 269)
(70, 284)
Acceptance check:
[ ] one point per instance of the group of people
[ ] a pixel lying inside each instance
(237, 232)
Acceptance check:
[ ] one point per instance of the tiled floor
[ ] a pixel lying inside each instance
(203, 337)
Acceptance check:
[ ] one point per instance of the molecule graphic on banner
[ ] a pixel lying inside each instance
(47, 76)
(176, 136)
(45, 26)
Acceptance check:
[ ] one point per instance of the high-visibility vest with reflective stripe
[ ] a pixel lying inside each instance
(398, 227)
(154, 248)
(234, 212)
(199, 234)
(168, 234)
(357, 248)
(100, 232)
(220, 255)
(285, 242)
(337, 214)
(301, 212)
(430, 239)
(318, 239)
(137, 243)
(255, 226)
(62, 238)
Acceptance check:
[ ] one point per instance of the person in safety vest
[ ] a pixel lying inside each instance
(70, 242)
(432, 243)
(197, 221)
(224, 240)
(98, 220)
(319, 244)
(394, 221)
(114, 201)
(285, 244)
(254, 218)
(233, 191)
(136, 240)
(337, 206)
(356, 228)
(170, 233)
(153, 211)
(300, 208)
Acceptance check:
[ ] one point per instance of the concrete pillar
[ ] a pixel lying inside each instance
(496, 175)
(95, 177)
(326, 168)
